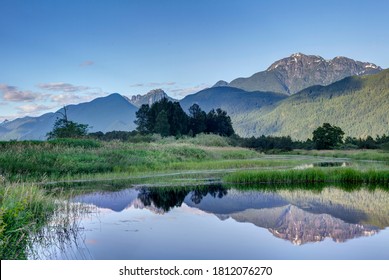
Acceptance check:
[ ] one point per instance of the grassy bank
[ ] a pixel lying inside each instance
(379, 155)
(311, 175)
(64, 159)
(39, 161)
(24, 210)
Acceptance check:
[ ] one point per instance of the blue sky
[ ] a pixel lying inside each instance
(54, 53)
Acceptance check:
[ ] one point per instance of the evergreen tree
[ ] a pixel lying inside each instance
(219, 122)
(162, 125)
(178, 119)
(143, 120)
(197, 121)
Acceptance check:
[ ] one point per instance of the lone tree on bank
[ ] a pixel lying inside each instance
(63, 128)
(327, 136)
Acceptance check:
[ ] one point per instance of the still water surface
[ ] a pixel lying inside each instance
(226, 223)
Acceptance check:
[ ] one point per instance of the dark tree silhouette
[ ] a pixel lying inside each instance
(197, 119)
(142, 119)
(153, 120)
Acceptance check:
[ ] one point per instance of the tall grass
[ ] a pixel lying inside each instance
(312, 175)
(67, 159)
(380, 155)
(38, 161)
(208, 140)
(24, 209)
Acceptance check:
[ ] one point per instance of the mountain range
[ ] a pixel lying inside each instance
(292, 97)
(358, 105)
(113, 112)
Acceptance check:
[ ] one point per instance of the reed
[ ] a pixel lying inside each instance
(312, 175)
(24, 209)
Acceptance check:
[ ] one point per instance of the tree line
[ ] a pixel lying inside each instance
(167, 118)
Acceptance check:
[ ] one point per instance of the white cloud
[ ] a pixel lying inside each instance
(153, 84)
(33, 108)
(65, 98)
(69, 98)
(137, 85)
(64, 87)
(36, 103)
(12, 93)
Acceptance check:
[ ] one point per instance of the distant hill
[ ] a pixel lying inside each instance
(113, 112)
(233, 100)
(359, 105)
(299, 71)
(27, 128)
(149, 98)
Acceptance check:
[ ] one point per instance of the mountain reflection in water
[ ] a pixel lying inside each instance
(300, 216)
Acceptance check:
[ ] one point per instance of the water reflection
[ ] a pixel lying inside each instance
(63, 236)
(300, 216)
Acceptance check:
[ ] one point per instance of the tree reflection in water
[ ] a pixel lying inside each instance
(299, 214)
(167, 198)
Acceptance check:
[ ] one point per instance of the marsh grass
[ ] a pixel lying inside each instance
(374, 155)
(311, 175)
(62, 231)
(30, 214)
(38, 161)
(24, 209)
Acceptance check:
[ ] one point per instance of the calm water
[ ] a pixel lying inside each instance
(219, 223)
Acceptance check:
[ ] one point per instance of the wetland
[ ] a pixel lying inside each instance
(193, 198)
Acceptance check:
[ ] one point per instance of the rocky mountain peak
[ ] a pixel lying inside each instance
(221, 83)
(297, 61)
(149, 98)
(300, 71)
